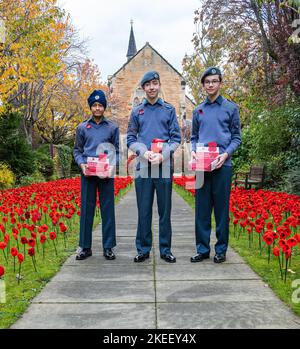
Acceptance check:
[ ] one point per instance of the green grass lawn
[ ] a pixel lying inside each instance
(270, 273)
(18, 296)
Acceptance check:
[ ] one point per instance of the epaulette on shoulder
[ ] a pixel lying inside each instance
(199, 106)
(112, 122)
(83, 123)
(230, 101)
(168, 105)
(138, 106)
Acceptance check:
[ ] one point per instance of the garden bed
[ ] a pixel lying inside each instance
(39, 230)
(264, 230)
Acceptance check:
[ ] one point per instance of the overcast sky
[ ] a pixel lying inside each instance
(168, 25)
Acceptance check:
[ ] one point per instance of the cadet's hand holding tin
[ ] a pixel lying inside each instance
(84, 168)
(156, 158)
(221, 160)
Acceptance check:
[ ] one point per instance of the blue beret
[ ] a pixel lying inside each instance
(97, 96)
(210, 71)
(150, 75)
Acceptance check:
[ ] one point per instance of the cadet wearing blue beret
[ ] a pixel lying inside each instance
(94, 136)
(150, 75)
(151, 120)
(211, 71)
(215, 120)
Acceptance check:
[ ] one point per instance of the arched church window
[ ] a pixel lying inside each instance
(138, 96)
(136, 101)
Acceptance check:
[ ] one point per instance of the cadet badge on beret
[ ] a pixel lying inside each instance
(97, 98)
(213, 71)
(141, 112)
(156, 76)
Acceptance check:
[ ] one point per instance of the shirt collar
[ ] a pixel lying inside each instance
(91, 119)
(219, 100)
(159, 101)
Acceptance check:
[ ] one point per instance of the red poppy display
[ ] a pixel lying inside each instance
(14, 252)
(20, 258)
(31, 252)
(274, 216)
(32, 215)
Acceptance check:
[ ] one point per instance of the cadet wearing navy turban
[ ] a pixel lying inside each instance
(97, 135)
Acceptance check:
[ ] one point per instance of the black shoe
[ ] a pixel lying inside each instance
(83, 253)
(168, 258)
(199, 257)
(108, 254)
(141, 257)
(220, 258)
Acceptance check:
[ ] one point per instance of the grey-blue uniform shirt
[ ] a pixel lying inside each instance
(217, 122)
(93, 139)
(153, 121)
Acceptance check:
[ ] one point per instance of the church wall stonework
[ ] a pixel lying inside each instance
(125, 87)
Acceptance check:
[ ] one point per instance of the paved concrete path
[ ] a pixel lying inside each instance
(120, 294)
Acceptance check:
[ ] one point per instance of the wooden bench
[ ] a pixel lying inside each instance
(254, 177)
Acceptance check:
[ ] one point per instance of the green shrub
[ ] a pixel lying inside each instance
(14, 149)
(45, 164)
(36, 177)
(44, 149)
(292, 182)
(6, 177)
(274, 170)
(74, 170)
(54, 177)
(271, 137)
(63, 160)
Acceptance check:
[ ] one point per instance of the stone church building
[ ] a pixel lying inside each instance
(126, 92)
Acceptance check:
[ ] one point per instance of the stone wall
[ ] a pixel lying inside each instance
(125, 86)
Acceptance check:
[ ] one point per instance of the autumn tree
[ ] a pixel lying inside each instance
(68, 107)
(36, 56)
(256, 43)
(254, 40)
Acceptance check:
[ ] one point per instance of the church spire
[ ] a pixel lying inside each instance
(132, 46)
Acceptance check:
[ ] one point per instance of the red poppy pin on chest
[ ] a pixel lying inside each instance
(141, 112)
(201, 112)
(88, 126)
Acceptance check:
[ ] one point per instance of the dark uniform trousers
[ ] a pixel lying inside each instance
(105, 187)
(214, 195)
(145, 188)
